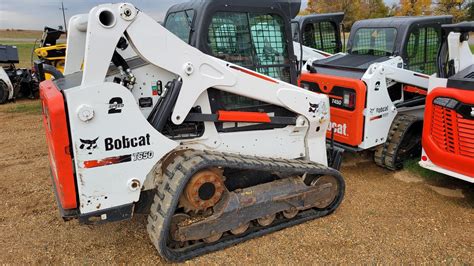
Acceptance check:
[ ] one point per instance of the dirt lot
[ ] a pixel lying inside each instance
(385, 218)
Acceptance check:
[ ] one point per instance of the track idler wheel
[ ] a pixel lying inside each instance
(203, 190)
(330, 185)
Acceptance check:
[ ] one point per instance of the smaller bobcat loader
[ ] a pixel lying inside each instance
(448, 131)
(377, 90)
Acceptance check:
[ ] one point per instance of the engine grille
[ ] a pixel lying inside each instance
(452, 132)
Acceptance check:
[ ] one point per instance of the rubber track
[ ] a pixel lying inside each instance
(386, 154)
(184, 166)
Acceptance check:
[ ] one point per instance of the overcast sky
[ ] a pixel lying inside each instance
(35, 14)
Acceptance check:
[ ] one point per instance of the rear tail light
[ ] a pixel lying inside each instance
(349, 99)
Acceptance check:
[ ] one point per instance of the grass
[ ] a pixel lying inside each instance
(24, 107)
(24, 52)
(472, 48)
(24, 41)
(21, 34)
(413, 167)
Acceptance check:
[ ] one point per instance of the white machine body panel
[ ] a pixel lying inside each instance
(115, 147)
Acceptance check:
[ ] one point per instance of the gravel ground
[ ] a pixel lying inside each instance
(386, 217)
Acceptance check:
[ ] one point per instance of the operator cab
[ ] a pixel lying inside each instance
(462, 79)
(50, 36)
(415, 39)
(49, 39)
(252, 34)
(319, 31)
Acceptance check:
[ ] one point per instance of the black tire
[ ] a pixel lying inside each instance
(4, 92)
(49, 69)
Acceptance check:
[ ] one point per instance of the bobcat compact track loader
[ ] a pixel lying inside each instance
(377, 90)
(448, 131)
(210, 176)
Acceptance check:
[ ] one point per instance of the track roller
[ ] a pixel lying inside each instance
(266, 220)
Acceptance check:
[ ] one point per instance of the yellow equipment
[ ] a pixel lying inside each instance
(49, 51)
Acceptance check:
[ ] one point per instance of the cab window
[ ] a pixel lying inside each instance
(255, 41)
(179, 23)
(422, 49)
(321, 36)
(374, 41)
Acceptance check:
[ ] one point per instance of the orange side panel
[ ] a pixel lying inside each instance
(348, 124)
(448, 138)
(251, 117)
(55, 125)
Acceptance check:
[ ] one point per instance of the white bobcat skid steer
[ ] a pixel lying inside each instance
(378, 89)
(145, 134)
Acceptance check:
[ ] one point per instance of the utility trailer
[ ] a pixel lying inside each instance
(378, 88)
(448, 131)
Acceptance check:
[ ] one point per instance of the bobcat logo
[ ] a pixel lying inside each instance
(313, 107)
(89, 145)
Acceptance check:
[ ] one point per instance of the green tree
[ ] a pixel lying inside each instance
(457, 8)
(470, 11)
(415, 8)
(353, 9)
(374, 9)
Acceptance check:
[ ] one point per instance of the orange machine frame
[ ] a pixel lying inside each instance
(57, 136)
(353, 119)
(453, 156)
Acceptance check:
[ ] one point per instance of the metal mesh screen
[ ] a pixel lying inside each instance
(321, 36)
(179, 24)
(328, 37)
(374, 41)
(422, 50)
(254, 41)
